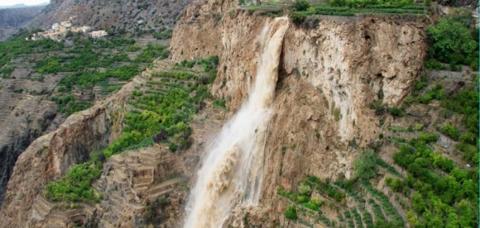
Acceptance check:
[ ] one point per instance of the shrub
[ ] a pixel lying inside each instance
(298, 17)
(301, 5)
(365, 166)
(451, 42)
(450, 130)
(75, 186)
(469, 152)
(291, 213)
(49, 65)
(468, 137)
(427, 137)
(396, 184)
(434, 64)
(151, 53)
(337, 2)
(465, 102)
(219, 103)
(396, 111)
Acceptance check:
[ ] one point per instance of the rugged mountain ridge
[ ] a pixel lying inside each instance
(13, 19)
(115, 16)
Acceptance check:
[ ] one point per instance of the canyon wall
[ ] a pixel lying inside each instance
(50, 156)
(331, 70)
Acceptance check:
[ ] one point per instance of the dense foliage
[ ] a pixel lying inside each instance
(452, 42)
(444, 195)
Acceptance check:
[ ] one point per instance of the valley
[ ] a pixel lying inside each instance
(224, 113)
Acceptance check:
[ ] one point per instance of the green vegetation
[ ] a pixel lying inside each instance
(301, 5)
(68, 104)
(220, 103)
(452, 42)
(442, 192)
(464, 103)
(18, 46)
(450, 130)
(439, 196)
(159, 114)
(371, 3)
(151, 52)
(92, 64)
(163, 34)
(367, 206)
(365, 166)
(83, 65)
(291, 213)
(299, 10)
(75, 186)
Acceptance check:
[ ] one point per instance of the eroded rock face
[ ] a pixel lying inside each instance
(140, 187)
(50, 156)
(27, 121)
(123, 15)
(331, 70)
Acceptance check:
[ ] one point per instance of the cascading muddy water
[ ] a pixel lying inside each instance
(231, 174)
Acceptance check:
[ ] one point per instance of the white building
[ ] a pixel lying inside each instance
(98, 34)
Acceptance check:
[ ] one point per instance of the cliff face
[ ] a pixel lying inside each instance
(124, 15)
(139, 187)
(330, 73)
(50, 156)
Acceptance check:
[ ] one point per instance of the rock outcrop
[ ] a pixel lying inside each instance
(50, 156)
(138, 187)
(332, 69)
(123, 15)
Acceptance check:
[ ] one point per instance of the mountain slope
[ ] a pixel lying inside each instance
(13, 18)
(123, 15)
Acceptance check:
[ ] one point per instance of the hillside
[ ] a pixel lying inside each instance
(12, 19)
(249, 114)
(116, 16)
(43, 82)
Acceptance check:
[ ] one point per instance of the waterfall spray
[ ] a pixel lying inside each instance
(232, 172)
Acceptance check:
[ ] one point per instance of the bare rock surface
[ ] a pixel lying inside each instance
(330, 73)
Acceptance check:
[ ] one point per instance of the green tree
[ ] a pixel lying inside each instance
(451, 42)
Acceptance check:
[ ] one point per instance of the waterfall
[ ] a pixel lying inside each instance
(232, 172)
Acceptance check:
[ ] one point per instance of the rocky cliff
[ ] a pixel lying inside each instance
(332, 69)
(124, 15)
